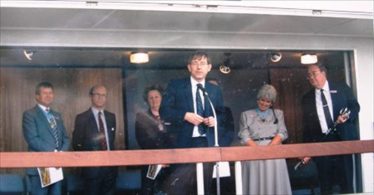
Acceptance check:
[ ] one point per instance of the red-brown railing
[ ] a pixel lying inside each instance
(174, 156)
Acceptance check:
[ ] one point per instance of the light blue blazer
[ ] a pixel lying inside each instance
(38, 133)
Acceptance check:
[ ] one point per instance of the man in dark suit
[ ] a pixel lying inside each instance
(194, 126)
(95, 130)
(324, 120)
(44, 131)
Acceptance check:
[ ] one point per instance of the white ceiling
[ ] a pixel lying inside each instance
(71, 28)
(134, 20)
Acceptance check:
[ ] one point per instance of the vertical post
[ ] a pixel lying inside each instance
(215, 142)
(354, 180)
(218, 179)
(200, 178)
(238, 178)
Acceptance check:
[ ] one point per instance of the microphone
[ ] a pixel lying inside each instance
(200, 86)
(205, 93)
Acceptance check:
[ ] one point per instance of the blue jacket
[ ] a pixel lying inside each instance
(178, 100)
(38, 133)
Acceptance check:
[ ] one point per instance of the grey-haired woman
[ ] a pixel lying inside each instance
(261, 127)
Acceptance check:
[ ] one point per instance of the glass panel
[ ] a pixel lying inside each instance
(239, 73)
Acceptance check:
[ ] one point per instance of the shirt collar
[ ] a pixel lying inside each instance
(325, 87)
(44, 108)
(96, 111)
(194, 82)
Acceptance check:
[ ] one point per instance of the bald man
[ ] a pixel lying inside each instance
(95, 130)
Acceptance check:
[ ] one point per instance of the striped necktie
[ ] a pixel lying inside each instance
(326, 111)
(102, 132)
(53, 125)
(200, 109)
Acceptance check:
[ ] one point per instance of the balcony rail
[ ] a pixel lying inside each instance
(176, 156)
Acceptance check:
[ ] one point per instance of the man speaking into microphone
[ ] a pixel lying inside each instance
(186, 106)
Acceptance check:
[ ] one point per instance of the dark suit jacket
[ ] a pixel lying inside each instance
(85, 134)
(178, 100)
(148, 134)
(342, 97)
(86, 131)
(38, 133)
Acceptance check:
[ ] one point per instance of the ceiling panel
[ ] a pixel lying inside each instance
(125, 20)
(25, 18)
(83, 21)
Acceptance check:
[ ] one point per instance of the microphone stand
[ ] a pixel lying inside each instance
(215, 137)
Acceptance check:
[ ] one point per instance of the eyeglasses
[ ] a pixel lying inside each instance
(99, 95)
(198, 64)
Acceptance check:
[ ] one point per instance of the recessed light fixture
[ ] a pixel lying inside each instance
(225, 66)
(309, 59)
(139, 57)
(224, 69)
(275, 56)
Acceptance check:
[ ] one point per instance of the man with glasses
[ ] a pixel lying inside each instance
(95, 130)
(330, 111)
(185, 105)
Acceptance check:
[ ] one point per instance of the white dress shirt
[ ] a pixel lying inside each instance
(195, 132)
(319, 106)
(44, 108)
(96, 111)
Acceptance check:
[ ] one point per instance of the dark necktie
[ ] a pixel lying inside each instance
(200, 109)
(326, 110)
(102, 132)
(53, 125)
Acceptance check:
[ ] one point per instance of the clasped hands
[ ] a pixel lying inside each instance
(196, 119)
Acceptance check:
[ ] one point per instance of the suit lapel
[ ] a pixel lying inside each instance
(209, 89)
(108, 121)
(313, 100)
(110, 129)
(188, 94)
(41, 115)
(334, 99)
(43, 118)
(92, 121)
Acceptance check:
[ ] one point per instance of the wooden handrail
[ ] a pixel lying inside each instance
(175, 156)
